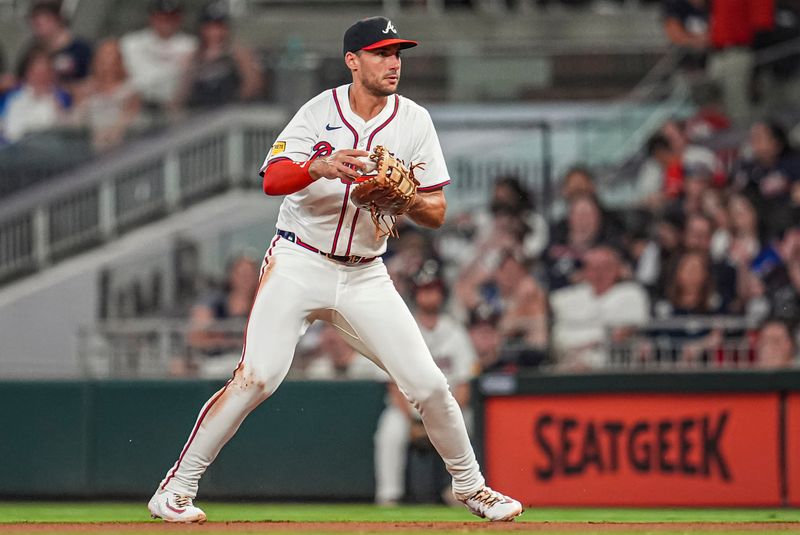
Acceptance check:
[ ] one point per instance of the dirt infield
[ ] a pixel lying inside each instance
(380, 527)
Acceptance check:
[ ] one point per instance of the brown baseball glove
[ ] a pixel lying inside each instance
(386, 192)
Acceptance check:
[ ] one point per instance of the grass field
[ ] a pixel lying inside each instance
(232, 518)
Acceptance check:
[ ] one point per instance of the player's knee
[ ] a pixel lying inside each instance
(255, 381)
(432, 392)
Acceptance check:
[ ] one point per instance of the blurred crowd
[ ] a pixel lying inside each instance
(122, 84)
(703, 240)
(749, 48)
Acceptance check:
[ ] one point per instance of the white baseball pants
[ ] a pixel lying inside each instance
(298, 286)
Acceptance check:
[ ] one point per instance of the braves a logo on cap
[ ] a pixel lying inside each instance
(389, 27)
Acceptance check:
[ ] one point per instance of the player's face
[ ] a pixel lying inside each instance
(379, 70)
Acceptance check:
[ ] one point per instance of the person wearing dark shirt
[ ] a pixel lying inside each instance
(690, 291)
(222, 71)
(771, 176)
(585, 226)
(778, 268)
(686, 26)
(71, 56)
(697, 234)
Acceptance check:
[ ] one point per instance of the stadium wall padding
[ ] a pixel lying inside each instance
(639, 439)
(117, 439)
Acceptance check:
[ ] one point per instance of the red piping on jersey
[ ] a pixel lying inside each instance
(440, 185)
(386, 122)
(369, 146)
(218, 395)
(347, 188)
(352, 231)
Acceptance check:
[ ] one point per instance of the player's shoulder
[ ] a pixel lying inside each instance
(319, 104)
(410, 107)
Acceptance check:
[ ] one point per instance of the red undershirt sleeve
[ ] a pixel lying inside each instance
(285, 177)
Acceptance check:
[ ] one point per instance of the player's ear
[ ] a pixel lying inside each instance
(351, 59)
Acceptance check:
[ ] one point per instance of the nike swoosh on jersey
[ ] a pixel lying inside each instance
(329, 127)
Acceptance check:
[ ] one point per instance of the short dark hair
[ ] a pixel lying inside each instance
(46, 7)
(28, 57)
(786, 324)
(656, 143)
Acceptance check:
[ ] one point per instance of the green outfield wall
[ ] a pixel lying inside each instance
(72, 439)
(729, 438)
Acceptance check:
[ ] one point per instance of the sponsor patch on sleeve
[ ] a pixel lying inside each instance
(278, 148)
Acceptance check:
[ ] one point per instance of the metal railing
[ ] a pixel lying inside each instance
(158, 347)
(154, 177)
(137, 348)
(147, 180)
(688, 342)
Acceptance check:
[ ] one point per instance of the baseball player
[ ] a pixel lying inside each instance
(324, 263)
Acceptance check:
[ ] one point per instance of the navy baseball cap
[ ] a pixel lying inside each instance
(372, 33)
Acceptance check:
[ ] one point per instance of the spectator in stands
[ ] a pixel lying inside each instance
(778, 270)
(734, 24)
(603, 308)
(107, 103)
(695, 190)
(776, 347)
(339, 361)
(502, 282)
(744, 242)
(662, 160)
(512, 207)
(488, 342)
(771, 176)
(71, 56)
(400, 423)
(157, 57)
(686, 27)
(685, 157)
(223, 71)
(406, 257)
(523, 305)
(38, 104)
(690, 289)
(697, 236)
(710, 117)
(584, 228)
(220, 349)
(779, 78)
(662, 245)
(578, 181)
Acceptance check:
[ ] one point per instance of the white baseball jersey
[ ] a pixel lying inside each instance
(322, 214)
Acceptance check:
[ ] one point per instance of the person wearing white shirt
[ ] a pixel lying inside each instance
(157, 57)
(584, 313)
(38, 104)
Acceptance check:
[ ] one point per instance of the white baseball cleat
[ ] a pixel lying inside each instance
(172, 507)
(488, 503)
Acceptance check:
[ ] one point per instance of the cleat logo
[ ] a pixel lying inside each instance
(175, 509)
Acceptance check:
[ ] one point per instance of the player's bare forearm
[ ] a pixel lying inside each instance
(429, 209)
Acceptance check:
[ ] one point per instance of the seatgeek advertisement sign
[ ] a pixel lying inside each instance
(637, 449)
